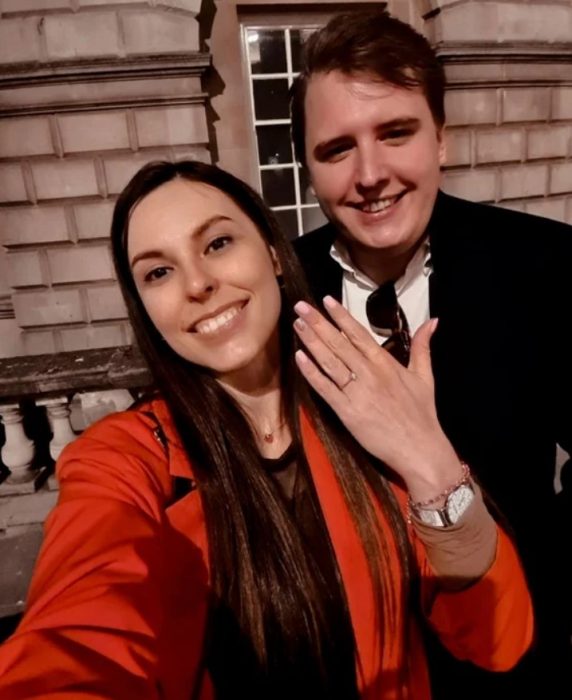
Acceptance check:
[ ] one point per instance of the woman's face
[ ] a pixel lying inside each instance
(205, 276)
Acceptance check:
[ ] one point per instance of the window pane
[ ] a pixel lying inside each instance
(271, 98)
(274, 144)
(278, 187)
(312, 218)
(288, 222)
(266, 51)
(297, 39)
(306, 194)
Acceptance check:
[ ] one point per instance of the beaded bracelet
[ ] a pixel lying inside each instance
(464, 478)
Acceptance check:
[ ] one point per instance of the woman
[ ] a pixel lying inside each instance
(229, 537)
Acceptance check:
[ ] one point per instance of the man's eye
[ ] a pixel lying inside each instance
(156, 274)
(336, 152)
(398, 135)
(218, 243)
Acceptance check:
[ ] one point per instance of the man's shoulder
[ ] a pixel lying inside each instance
(497, 221)
(316, 243)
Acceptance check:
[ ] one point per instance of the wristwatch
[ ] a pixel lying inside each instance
(456, 504)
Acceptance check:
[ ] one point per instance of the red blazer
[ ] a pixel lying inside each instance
(118, 601)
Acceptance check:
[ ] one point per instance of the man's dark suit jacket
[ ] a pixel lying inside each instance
(501, 287)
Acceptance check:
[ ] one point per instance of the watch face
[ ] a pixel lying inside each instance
(457, 503)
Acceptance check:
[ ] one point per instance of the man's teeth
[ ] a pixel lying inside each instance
(213, 324)
(378, 205)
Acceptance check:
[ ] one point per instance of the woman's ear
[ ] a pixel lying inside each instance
(275, 261)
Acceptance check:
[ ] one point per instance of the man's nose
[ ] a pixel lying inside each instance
(371, 169)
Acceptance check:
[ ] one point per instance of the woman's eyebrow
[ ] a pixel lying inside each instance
(202, 228)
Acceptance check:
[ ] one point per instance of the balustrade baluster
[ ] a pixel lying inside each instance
(58, 410)
(18, 450)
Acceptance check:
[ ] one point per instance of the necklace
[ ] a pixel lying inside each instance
(268, 436)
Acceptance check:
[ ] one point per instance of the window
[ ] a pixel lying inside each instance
(273, 60)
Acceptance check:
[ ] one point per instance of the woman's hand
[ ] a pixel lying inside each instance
(389, 409)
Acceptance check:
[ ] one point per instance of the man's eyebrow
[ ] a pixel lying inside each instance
(398, 122)
(201, 229)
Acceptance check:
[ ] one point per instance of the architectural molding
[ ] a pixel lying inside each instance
(100, 106)
(84, 70)
(518, 64)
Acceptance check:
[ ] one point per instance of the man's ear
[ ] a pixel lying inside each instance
(275, 261)
(442, 139)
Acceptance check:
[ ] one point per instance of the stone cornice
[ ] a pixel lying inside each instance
(496, 65)
(493, 52)
(84, 70)
(101, 105)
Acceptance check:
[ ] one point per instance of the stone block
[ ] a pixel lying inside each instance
(120, 169)
(475, 185)
(524, 181)
(89, 337)
(562, 103)
(25, 269)
(93, 219)
(105, 303)
(28, 136)
(13, 6)
(48, 308)
(561, 178)
(506, 21)
(78, 35)
(20, 39)
(12, 186)
(39, 342)
(93, 131)
(464, 107)
(80, 264)
(171, 126)
(191, 6)
(550, 142)
(500, 145)
(93, 3)
(64, 178)
(34, 224)
(525, 104)
(458, 143)
(159, 32)
(549, 208)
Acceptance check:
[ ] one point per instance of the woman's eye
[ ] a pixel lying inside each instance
(218, 243)
(156, 274)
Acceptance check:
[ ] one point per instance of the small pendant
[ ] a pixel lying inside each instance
(268, 437)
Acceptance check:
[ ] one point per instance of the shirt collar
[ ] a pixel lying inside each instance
(420, 264)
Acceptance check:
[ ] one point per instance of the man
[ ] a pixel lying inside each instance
(367, 122)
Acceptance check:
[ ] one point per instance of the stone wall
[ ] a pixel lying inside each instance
(509, 101)
(89, 91)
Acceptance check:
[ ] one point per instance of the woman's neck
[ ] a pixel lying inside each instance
(257, 390)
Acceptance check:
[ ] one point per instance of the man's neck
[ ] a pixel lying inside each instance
(380, 265)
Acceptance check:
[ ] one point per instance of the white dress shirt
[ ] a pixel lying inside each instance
(412, 288)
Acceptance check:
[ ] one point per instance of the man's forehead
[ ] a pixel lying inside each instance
(344, 96)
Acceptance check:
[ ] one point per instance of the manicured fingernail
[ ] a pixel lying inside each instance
(299, 324)
(301, 357)
(330, 302)
(434, 324)
(302, 308)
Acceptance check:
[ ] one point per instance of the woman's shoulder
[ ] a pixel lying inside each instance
(126, 446)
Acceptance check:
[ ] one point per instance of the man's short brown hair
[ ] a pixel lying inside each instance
(374, 43)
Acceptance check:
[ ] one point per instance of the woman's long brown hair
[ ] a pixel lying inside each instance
(261, 571)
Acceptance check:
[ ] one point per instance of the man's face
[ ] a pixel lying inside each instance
(374, 155)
